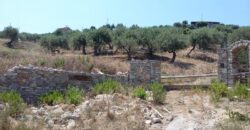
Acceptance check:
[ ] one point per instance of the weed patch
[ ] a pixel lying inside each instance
(140, 93)
(52, 98)
(158, 92)
(59, 63)
(73, 95)
(218, 90)
(15, 101)
(109, 86)
(239, 91)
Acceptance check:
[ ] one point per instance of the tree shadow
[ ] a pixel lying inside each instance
(204, 57)
(153, 57)
(179, 64)
(183, 65)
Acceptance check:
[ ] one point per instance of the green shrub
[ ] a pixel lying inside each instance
(140, 93)
(52, 98)
(158, 92)
(59, 63)
(218, 90)
(41, 62)
(14, 100)
(239, 91)
(238, 116)
(73, 95)
(108, 86)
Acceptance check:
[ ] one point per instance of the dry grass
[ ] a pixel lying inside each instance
(102, 117)
(28, 53)
(31, 53)
(201, 62)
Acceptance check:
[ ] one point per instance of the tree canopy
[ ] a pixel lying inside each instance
(206, 39)
(242, 33)
(134, 39)
(12, 34)
(172, 40)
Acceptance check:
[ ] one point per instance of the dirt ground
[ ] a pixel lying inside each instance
(182, 110)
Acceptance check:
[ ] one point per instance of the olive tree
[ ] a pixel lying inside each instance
(12, 34)
(80, 41)
(118, 32)
(171, 40)
(52, 42)
(100, 37)
(242, 33)
(128, 42)
(148, 40)
(29, 37)
(205, 38)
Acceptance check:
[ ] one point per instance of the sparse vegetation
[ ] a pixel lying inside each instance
(41, 62)
(239, 92)
(109, 86)
(158, 92)
(140, 93)
(59, 63)
(52, 98)
(73, 95)
(238, 116)
(218, 90)
(15, 102)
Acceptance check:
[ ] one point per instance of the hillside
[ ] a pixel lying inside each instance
(195, 109)
(201, 62)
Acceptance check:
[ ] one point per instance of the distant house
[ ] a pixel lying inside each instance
(199, 24)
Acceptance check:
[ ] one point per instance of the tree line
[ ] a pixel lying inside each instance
(133, 40)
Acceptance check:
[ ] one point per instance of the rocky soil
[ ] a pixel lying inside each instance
(182, 110)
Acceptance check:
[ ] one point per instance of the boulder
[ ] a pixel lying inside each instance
(71, 124)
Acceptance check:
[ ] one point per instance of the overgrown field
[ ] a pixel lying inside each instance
(26, 53)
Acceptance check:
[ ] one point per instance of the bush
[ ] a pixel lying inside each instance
(239, 91)
(52, 98)
(41, 62)
(73, 95)
(218, 90)
(140, 93)
(16, 103)
(158, 92)
(59, 62)
(108, 86)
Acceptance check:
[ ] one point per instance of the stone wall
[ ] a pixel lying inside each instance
(223, 74)
(32, 82)
(144, 71)
(225, 63)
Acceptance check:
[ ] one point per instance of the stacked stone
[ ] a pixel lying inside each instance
(32, 82)
(225, 62)
(144, 71)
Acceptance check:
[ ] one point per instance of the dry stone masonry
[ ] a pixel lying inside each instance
(146, 71)
(32, 82)
(226, 69)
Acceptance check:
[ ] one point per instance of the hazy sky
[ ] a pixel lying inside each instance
(40, 16)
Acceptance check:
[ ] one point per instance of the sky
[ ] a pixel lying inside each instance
(42, 16)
